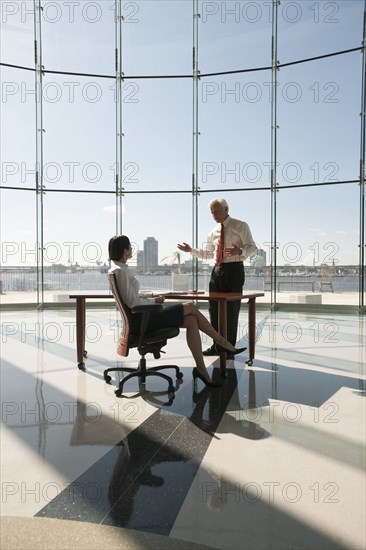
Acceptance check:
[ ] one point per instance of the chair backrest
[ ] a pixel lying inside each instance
(326, 274)
(150, 342)
(123, 344)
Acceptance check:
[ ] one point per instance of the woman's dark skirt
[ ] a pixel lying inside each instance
(169, 316)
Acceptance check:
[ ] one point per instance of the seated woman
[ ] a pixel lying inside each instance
(184, 315)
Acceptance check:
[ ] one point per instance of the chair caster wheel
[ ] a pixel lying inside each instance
(118, 392)
(81, 366)
(107, 378)
(179, 375)
(85, 353)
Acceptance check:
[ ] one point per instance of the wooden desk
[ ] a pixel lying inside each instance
(80, 320)
(221, 297)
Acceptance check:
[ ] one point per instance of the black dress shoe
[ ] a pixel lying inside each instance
(210, 351)
(230, 354)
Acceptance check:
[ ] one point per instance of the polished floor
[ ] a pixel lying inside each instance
(274, 459)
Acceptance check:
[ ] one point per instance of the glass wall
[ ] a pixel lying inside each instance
(131, 116)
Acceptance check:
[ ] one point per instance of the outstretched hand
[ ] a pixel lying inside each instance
(184, 247)
(232, 251)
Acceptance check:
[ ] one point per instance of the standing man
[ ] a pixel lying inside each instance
(230, 243)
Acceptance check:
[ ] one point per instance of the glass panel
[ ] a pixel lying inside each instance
(18, 133)
(320, 236)
(157, 147)
(17, 33)
(78, 37)
(319, 122)
(307, 29)
(76, 245)
(235, 128)
(79, 139)
(168, 219)
(18, 275)
(234, 36)
(157, 38)
(255, 209)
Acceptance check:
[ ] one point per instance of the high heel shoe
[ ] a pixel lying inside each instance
(235, 352)
(197, 374)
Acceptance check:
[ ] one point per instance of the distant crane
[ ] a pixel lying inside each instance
(170, 260)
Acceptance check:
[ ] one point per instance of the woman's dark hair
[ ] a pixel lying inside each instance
(116, 247)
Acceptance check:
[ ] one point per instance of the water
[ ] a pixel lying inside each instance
(94, 280)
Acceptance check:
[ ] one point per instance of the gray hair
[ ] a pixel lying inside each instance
(221, 202)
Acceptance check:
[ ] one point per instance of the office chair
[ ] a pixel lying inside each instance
(326, 277)
(145, 342)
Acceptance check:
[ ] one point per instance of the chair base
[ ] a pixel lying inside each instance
(142, 373)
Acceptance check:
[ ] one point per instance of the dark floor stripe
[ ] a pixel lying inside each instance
(142, 482)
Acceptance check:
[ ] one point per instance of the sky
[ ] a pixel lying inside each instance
(318, 118)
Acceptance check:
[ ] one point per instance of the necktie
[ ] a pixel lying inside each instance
(220, 247)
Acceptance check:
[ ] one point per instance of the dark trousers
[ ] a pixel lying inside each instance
(227, 278)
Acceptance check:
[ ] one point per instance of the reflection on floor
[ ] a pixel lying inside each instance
(272, 459)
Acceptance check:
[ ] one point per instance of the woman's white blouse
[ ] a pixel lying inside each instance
(129, 287)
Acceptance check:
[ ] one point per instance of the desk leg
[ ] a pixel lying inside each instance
(222, 331)
(251, 330)
(80, 331)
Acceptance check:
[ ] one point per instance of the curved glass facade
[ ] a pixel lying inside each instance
(131, 116)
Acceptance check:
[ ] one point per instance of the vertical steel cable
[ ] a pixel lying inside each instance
(39, 150)
(195, 135)
(274, 127)
(118, 99)
(362, 244)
